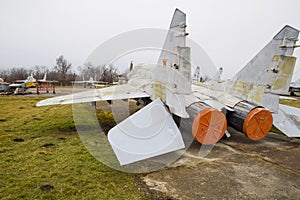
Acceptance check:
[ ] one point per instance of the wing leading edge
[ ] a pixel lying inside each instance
(111, 93)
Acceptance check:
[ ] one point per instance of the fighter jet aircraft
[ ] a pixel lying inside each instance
(169, 98)
(44, 80)
(29, 82)
(23, 85)
(44, 84)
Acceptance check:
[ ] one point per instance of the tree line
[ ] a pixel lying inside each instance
(63, 72)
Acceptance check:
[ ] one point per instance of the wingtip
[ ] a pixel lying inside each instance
(40, 103)
(45, 102)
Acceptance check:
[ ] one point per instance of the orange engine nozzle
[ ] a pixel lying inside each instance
(254, 121)
(209, 126)
(258, 123)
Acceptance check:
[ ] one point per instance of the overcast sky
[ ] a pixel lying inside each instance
(36, 32)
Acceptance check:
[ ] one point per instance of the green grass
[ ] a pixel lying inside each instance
(51, 153)
(294, 103)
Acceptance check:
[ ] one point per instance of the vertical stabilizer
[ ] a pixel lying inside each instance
(45, 77)
(175, 55)
(217, 77)
(175, 38)
(270, 72)
(172, 75)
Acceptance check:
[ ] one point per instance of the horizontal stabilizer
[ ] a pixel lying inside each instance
(287, 120)
(147, 133)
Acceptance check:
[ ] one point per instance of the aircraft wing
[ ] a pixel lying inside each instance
(111, 93)
(287, 120)
(14, 85)
(46, 81)
(76, 82)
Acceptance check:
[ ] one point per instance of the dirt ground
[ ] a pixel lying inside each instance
(236, 168)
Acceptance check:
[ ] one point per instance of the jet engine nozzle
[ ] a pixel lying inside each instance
(209, 124)
(254, 121)
(258, 123)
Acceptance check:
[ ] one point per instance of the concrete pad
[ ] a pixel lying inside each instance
(236, 168)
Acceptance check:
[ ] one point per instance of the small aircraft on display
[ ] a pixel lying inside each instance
(23, 85)
(44, 84)
(247, 102)
(20, 86)
(44, 80)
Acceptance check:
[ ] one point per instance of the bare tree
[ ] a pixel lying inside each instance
(40, 70)
(18, 74)
(62, 67)
(105, 73)
(15, 73)
(110, 74)
(5, 74)
(88, 70)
